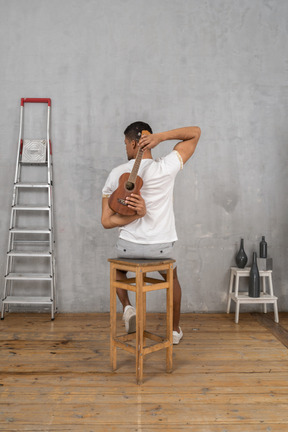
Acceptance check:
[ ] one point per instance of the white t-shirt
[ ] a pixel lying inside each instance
(158, 225)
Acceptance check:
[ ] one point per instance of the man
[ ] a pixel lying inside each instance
(150, 233)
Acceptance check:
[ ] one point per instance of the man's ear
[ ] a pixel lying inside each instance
(134, 144)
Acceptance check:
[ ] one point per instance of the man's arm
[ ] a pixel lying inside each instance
(189, 137)
(110, 219)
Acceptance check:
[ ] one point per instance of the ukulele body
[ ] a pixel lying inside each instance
(125, 189)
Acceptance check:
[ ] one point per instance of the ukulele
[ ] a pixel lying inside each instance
(128, 183)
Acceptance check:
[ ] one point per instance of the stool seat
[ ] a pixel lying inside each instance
(243, 297)
(141, 284)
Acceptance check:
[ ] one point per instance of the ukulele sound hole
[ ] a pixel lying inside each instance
(130, 186)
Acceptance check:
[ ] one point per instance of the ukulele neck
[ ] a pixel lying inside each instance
(136, 166)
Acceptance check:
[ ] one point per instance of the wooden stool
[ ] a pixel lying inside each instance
(141, 284)
(243, 297)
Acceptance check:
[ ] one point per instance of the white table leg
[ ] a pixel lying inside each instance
(237, 312)
(264, 292)
(230, 291)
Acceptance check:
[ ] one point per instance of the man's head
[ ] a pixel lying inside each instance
(134, 130)
(132, 135)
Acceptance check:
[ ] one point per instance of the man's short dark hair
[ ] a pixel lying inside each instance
(134, 130)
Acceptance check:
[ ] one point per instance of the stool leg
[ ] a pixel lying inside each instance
(113, 317)
(264, 292)
(169, 320)
(144, 311)
(276, 316)
(139, 326)
(237, 300)
(237, 312)
(230, 291)
(236, 285)
(270, 284)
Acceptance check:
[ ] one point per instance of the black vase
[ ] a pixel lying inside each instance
(241, 257)
(254, 279)
(263, 248)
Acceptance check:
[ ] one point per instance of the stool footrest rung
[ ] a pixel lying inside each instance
(156, 347)
(125, 337)
(154, 337)
(121, 342)
(123, 285)
(156, 284)
(124, 346)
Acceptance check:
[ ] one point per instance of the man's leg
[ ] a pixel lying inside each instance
(129, 313)
(122, 294)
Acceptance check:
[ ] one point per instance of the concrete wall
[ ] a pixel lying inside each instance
(219, 64)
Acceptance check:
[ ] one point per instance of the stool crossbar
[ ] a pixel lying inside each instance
(141, 284)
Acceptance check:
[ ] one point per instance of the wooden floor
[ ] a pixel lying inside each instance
(55, 376)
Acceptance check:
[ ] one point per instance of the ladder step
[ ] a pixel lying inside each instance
(28, 276)
(32, 243)
(31, 185)
(33, 163)
(29, 254)
(27, 300)
(30, 231)
(30, 207)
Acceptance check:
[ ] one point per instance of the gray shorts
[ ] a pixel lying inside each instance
(126, 249)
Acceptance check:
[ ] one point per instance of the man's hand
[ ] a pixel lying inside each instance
(110, 219)
(150, 141)
(189, 137)
(137, 203)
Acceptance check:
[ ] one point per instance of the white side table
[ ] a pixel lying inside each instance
(243, 297)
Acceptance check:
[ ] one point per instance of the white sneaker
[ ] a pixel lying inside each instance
(129, 317)
(177, 336)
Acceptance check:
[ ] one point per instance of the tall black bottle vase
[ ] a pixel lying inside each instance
(263, 248)
(254, 278)
(241, 257)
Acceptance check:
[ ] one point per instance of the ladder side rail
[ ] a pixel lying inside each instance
(16, 193)
(49, 196)
(50, 219)
(48, 146)
(12, 225)
(51, 204)
(55, 301)
(51, 242)
(6, 291)
(4, 297)
(8, 265)
(53, 257)
(16, 179)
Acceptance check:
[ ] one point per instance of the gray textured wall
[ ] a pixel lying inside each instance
(219, 64)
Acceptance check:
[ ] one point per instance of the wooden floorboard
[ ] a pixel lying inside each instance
(227, 377)
(277, 329)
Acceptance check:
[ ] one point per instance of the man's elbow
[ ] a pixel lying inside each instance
(105, 223)
(197, 132)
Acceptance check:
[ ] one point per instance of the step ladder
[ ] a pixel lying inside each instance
(30, 266)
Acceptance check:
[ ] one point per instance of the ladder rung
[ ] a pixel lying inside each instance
(30, 231)
(32, 185)
(32, 243)
(27, 300)
(34, 163)
(29, 254)
(30, 207)
(28, 276)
